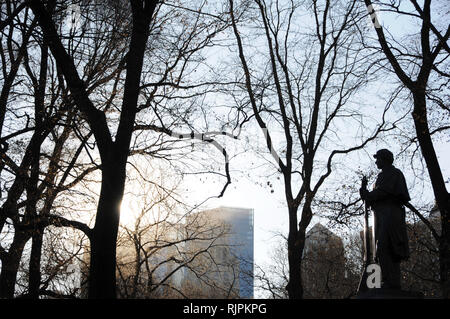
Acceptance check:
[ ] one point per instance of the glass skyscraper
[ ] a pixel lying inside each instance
(241, 239)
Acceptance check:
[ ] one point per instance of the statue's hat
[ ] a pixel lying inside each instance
(385, 154)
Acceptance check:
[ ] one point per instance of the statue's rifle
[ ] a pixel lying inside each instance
(368, 253)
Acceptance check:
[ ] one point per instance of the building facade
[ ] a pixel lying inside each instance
(324, 266)
(232, 254)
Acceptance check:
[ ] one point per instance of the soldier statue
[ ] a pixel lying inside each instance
(387, 201)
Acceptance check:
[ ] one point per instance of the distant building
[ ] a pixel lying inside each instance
(321, 237)
(233, 255)
(324, 266)
(210, 255)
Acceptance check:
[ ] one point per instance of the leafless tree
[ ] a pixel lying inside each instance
(272, 278)
(31, 168)
(300, 89)
(139, 77)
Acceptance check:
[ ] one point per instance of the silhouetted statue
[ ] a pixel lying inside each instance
(387, 200)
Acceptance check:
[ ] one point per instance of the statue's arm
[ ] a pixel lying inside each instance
(373, 196)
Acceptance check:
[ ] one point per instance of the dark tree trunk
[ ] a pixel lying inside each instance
(294, 287)
(296, 243)
(34, 281)
(437, 181)
(444, 258)
(102, 273)
(10, 265)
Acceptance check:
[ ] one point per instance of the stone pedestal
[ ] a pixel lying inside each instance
(385, 293)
